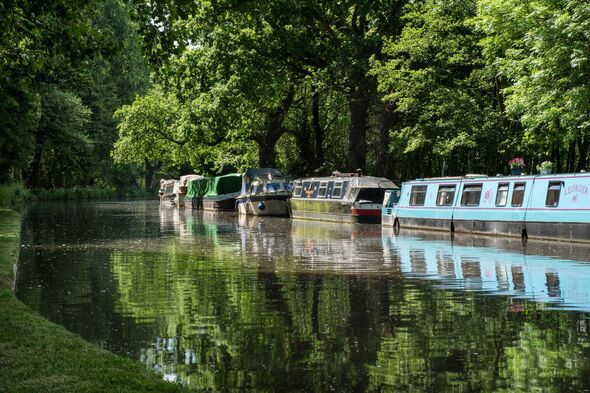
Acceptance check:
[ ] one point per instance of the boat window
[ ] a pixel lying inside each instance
(307, 190)
(518, 194)
(471, 195)
(323, 189)
(446, 195)
(273, 187)
(371, 195)
(312, 191)
(418, 195)
(337, 190)
(553, 192)
(297, 189)
(391, 198)
(502, 194)
(255, 189)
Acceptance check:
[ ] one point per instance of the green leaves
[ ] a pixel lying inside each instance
(152, 128)
(538, 48)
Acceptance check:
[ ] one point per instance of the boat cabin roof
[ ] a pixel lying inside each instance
(476, 177)
(354, 181)
(259, 172)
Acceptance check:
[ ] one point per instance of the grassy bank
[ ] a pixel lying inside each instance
(15, 194)
(39, 356)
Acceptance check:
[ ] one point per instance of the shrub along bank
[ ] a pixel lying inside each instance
(39, 356)
(15, 194)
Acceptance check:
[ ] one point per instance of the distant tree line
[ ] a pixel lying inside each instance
(65, 67)
(398, 88)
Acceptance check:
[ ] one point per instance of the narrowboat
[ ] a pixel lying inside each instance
(528, 206)
(181, 188)
(213, 193)
(166, 192)
(341, 198)
(265, 192)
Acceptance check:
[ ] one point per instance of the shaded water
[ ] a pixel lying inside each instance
(224, 303)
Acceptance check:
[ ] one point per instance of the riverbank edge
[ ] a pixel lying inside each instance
(37, 355)
(16, 194)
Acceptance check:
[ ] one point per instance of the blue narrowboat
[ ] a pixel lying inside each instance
(342, 197)
(533, 206)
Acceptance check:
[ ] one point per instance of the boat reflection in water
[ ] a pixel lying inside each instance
(224, 303)
(495, 265)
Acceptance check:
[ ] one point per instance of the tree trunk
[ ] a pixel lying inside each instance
(266, 153)
(571, 156)
(150, 170)
(35, 176)
(318, 132)
(583, 153)
(556, 155)
(358, 104)
(273, 131)
(383, 162)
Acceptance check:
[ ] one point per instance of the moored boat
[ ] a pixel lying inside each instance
(528, 206)
(166, 192)
(213, 193)
(341, 197)
(265, 192)
(181, 188)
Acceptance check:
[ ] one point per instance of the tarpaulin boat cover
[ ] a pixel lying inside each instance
(213, 186)
(254, 173)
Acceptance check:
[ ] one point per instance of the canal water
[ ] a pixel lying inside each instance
(225, 303)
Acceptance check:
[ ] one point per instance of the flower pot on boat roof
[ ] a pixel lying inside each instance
(545, 168)
(516, 166)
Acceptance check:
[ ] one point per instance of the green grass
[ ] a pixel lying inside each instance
(39, 356)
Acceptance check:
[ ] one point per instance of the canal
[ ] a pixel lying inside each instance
(225, 303)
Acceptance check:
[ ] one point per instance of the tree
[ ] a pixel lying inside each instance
(270, 49)
(61, 141)
(86, 49)
(151, 133)
(436, 78)
(540, 47)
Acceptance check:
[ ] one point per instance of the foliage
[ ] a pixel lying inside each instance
(62, 142)
(539, 47)
(87, 193)
(60, 58)
(400, 88)
(545, 165)
(12, 195)
(149, 128)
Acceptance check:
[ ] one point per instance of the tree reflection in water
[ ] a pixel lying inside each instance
(223, 303)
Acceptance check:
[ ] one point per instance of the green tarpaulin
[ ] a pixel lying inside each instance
(213, 186)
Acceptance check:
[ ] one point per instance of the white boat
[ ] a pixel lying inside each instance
(265, 192)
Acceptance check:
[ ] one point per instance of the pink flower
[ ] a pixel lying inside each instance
(516, 162)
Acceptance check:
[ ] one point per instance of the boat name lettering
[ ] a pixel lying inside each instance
(577, 188)
(488, 195)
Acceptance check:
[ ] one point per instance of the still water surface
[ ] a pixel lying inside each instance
(225, 303)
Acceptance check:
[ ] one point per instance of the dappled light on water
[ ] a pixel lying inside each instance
(221, 302)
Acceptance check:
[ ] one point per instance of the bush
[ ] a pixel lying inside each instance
(88, 193)
(13, 194)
